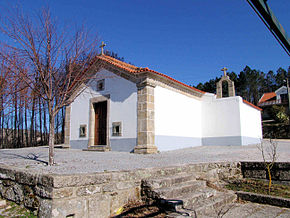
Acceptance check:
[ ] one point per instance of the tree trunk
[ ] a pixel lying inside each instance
(40, 121)
(270, 178)
(44, 125)
(14, 140)
(26, 125)
(51, 139)
(62, 124)
(2, 123)
(57, 127)
(20, 125)
(32, 123)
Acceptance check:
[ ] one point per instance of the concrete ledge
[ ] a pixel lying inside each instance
(263, 199)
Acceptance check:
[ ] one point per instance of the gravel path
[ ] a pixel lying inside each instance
(76, 161)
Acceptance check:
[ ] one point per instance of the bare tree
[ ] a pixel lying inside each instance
(60, 60)
(5, 85)
(269, 154)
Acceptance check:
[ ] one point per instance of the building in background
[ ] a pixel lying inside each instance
(275, 116)
(279, 97)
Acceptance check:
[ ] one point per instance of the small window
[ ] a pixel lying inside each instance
(117, 129)
(101, 85)
(83, 131)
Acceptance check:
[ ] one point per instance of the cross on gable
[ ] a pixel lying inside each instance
(102, 47)
(225, 71)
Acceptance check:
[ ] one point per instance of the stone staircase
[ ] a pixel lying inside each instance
(185, 196)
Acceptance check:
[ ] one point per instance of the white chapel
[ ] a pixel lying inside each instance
(132, 109)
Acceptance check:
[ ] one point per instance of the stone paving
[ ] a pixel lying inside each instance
(252, 210)
(70, 161)
(245, 210)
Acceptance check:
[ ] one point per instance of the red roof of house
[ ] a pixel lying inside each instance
(136, 70)
(267, 96)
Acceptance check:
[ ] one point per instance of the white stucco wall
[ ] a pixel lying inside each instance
(229, 121)
(251, 125)
(221, 117)
(122, 108)
(221, 121)
(79, 115)
(177, 120)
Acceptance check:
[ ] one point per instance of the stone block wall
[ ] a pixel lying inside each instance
(93, 194)
(257, 170)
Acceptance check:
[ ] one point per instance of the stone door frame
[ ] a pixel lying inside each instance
(91, 141)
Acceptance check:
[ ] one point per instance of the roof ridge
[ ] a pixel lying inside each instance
(131, 66)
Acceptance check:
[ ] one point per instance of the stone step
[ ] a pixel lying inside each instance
(190, 199)
(168, 181)
(187, 200)
(213, 206)
(179, 189)
(97, 148)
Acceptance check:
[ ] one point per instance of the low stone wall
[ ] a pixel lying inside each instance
(257, 170)
(93, 194)
(264, 199)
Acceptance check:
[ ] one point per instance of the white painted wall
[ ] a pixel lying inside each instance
(221, 117)
(230, 121)
(123, 107)
(79, 115)
(178, 117)
(251, 125)
(280, 91)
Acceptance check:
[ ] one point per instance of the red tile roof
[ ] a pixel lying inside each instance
(252, 105)
(267, 96)
(136, 70)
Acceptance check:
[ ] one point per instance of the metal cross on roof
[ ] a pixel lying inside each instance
(225, 71)
(102, 47)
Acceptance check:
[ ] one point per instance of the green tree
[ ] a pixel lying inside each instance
(280, 77)
(270, 82)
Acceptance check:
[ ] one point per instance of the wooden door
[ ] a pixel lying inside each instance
(101, 123)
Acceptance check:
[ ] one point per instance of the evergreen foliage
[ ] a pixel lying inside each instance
(251, 83)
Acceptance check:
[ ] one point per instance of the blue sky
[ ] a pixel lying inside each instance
(189, 40)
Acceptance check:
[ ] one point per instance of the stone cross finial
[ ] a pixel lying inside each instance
(225, 71)
(102, 47)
